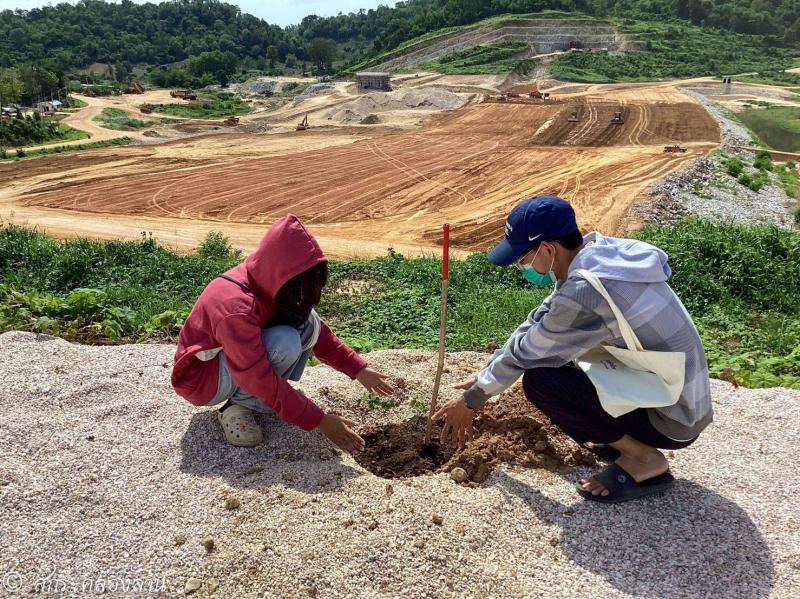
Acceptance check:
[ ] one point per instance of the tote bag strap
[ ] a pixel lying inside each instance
(624, 328)
(244, 287)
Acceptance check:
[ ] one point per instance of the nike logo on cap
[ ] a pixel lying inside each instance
(534, 237)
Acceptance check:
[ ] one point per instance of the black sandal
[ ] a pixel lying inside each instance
(603, 451)
(621, 486)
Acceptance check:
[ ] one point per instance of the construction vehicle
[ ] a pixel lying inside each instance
(674, 149)
(535, 94)
(136, 88)
(573, 117)
(617, 120)
(145, 109)
(302, 125)
(231, 121)
(183, 94)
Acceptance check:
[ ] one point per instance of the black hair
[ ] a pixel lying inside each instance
(300, 294)
(570, 241)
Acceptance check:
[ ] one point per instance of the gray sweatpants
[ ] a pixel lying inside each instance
(288, 350)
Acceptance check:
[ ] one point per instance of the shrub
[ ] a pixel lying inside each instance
(216, 246)
(20, 153)
(763, 161)
(745, 180)
(734, 166)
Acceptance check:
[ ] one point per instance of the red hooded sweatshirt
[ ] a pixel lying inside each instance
(228, 317)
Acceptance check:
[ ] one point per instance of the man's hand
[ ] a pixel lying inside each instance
(338, 430)
(374, 382)
(466, 383)
(457, 422)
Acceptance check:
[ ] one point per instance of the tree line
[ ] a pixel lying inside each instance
(197, 42)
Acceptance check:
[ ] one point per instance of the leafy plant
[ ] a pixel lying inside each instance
(375, 402)
(419, 407)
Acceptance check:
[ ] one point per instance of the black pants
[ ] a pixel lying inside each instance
(569, 399)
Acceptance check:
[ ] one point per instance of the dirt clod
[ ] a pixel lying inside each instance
(509, 430)
(180, 539)
(208, 543)
(437, 519)
(232, 503)
(212, 584)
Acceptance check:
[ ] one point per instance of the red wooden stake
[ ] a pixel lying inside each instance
(442, 328)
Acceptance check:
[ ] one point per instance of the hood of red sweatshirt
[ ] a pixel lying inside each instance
(286, 250)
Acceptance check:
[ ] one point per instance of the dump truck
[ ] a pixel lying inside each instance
(573, 117)
(231, 121)
(617, 120)
(674, 149)
(145, 109)
(183, 94)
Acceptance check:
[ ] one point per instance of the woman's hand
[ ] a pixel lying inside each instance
(457, 422)
(374, 382)
(338, 430)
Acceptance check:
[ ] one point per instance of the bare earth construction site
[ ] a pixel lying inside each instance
(363, 189)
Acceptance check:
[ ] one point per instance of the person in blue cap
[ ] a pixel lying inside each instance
(543, 241)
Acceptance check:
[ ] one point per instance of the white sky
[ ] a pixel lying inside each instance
(279, 12)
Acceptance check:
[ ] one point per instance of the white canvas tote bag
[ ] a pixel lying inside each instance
(627, 379)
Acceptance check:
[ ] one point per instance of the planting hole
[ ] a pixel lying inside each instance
(509, 431)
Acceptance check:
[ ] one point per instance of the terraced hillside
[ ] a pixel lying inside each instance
(542, 35)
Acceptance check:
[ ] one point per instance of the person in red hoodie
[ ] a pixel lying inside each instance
(253, 328)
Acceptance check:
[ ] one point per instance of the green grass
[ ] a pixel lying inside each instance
(135, 291)
(114, 118)
(70, 133)
(777, 77)
(777, 126)
(11, 156)
(672, 50)
(209, 104)
(73, 102)
(488, 59)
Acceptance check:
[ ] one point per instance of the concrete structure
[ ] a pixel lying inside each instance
(369, 81)
(48, 107)
(726, 85)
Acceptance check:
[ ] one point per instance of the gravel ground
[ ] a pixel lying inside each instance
(703, 188)
(108, 479)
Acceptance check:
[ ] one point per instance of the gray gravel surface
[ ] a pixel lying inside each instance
(108, 479)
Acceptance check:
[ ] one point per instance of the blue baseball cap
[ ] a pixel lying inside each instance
(540, 218)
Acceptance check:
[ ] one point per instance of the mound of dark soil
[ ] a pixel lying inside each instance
(508, 431)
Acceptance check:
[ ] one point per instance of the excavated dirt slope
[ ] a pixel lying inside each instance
(467, 167)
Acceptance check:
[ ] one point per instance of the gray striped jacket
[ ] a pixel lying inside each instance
(576, 318)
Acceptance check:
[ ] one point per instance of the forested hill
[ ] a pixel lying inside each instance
(96, 31)
(71, 36)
